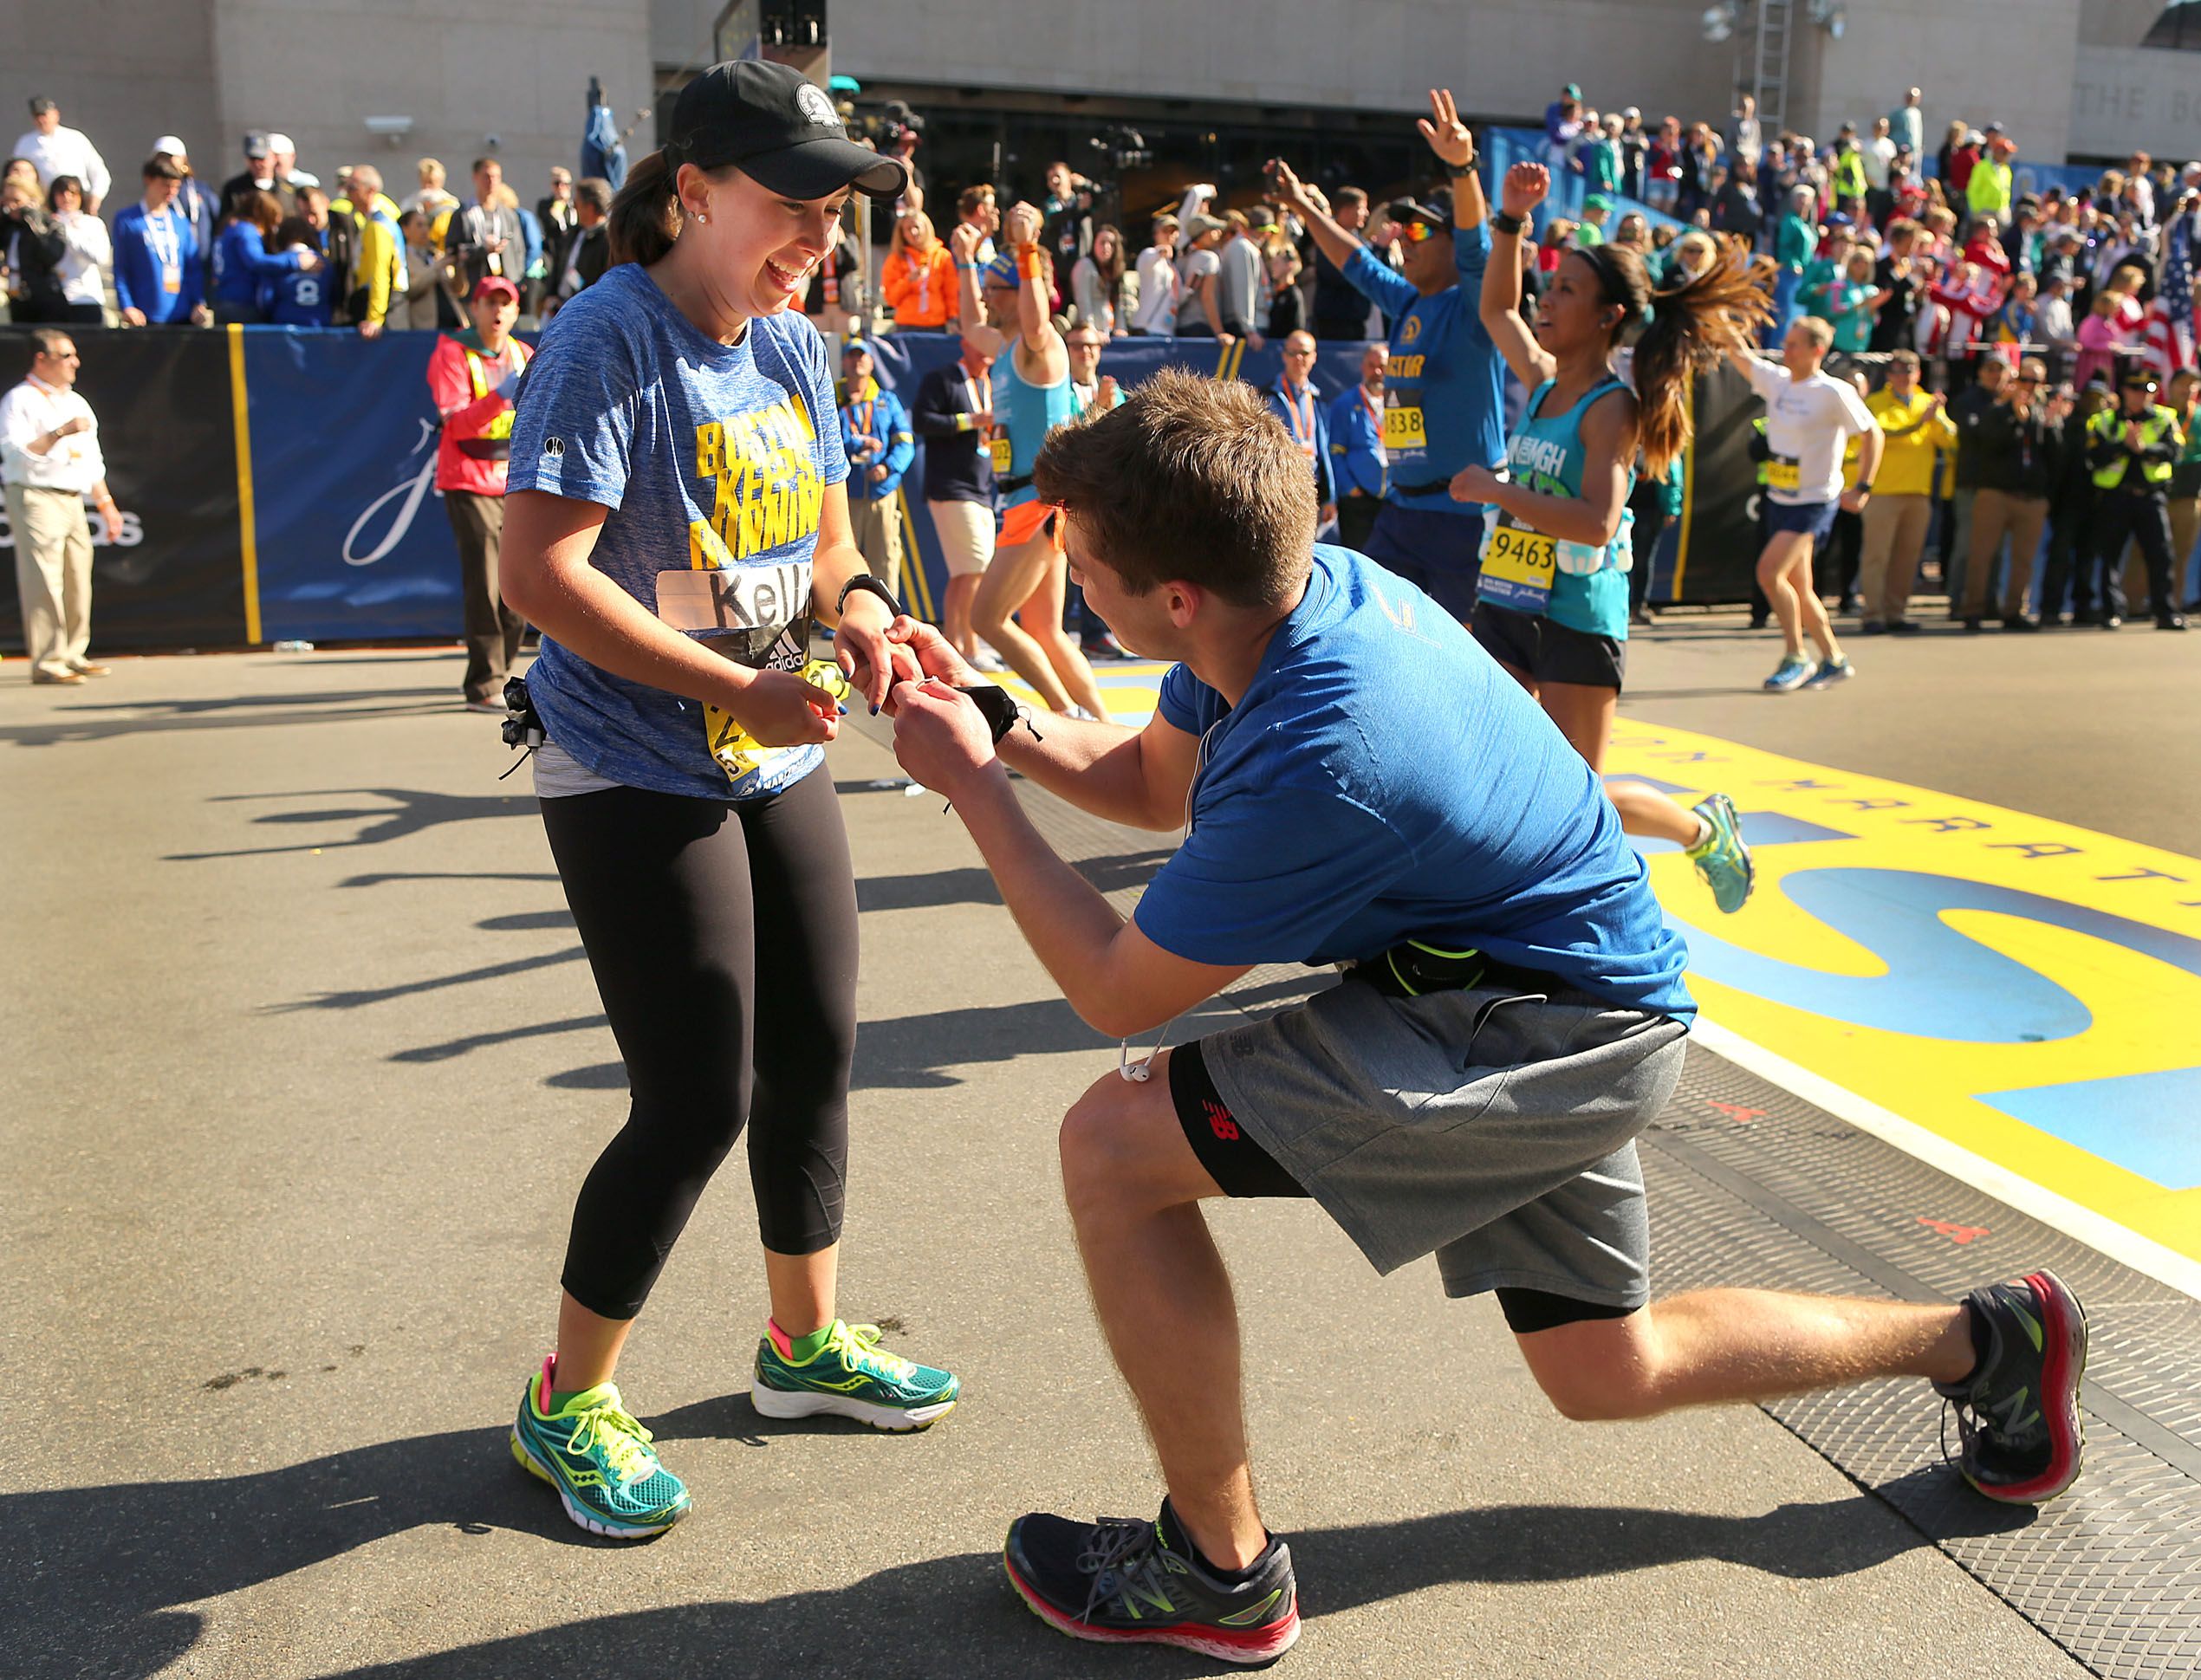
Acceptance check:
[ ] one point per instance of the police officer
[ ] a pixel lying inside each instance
(2131, 450)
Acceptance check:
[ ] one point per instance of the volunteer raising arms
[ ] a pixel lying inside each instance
(676, 517)
(1552, 603)
(1004, 313)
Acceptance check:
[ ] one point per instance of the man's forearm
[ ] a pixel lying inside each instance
(1067, 923)
(1096, 767)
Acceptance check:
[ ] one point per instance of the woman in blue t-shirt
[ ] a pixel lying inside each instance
(1552, 603)
(675, 519)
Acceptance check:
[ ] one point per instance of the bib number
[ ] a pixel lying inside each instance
(1002, 453)
(757, 616)
(1784, 473)
(1518, 565)
(1403, 428)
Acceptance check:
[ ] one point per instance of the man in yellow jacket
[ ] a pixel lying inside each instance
(1918, 433)
(378, 262)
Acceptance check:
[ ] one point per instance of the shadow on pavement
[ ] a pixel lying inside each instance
(936, 889)
(410, 811)
(107, 1566)
(110, 720)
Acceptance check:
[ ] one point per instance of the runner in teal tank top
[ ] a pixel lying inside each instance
(1004, 311)
(1552, 603)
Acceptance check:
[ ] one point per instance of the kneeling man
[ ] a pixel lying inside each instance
(1363, 786)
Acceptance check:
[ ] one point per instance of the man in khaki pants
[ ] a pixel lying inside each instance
(2021, 455)
(1917, 431)
(49, 456)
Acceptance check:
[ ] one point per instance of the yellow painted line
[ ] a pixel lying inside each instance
(1130, 688)
(918, 586)
(248, 534)
(1688, 489)
(2019, 990)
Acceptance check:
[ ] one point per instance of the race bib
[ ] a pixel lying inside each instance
(1517, 567)
(757, 616)
(1403, 428)
(1001, 452)
(1783, 472)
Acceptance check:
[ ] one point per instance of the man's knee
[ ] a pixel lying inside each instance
(1116, 1144)
(1596, 1371)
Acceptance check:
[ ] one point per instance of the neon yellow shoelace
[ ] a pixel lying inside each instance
(624, 1443)
(863, 1349)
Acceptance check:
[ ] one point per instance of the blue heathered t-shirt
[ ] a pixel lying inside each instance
(713, 458)
(1381, 780)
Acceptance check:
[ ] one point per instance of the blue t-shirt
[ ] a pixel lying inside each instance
(1325, 830)
(1444, 384)
(714, 459)
(297, 299)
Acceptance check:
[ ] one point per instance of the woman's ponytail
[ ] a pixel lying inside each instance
(1692, 328)
(646, 215)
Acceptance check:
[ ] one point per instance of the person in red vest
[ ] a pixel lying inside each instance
(473, 377)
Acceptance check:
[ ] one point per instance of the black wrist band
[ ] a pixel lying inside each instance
(999, 708)
(1505, 223)
(1457, 170)
(865, 580)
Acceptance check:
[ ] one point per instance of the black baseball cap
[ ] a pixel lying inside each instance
(780, 128)
(1405, 210)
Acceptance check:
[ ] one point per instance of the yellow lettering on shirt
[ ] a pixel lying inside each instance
(765, 489)
(1403, 367)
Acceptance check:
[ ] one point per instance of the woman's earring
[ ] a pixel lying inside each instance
(700, 217)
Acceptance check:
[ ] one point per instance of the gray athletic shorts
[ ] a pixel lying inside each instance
(1493, 1129)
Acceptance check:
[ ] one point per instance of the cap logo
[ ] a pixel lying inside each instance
(811, 101)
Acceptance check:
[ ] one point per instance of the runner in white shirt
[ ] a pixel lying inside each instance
(1159, 289)
(49, 457)
(1808, 417)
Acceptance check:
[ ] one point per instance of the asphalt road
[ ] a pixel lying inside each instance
(305, 1066)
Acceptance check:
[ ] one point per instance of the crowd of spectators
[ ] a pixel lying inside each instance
(273, 244)
(1936, 258)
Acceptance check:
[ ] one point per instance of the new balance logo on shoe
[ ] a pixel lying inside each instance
(1219, 1121)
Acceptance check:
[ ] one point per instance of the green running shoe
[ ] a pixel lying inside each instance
(852, 1376)
(599, 1460)
(1724, 863)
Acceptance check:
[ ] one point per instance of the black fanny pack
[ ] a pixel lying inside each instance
(1414, 968)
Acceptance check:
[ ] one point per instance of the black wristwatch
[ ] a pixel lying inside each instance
(1505, 223)
(865, 580)
(1457, 170)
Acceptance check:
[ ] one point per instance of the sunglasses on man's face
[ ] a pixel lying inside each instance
(1417, 232)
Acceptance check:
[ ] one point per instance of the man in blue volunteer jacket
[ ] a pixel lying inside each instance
(160, 270)
(875, 431)
(1358, 467)
(1307, 418)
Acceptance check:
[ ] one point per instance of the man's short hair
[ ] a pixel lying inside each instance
(1904, 358)
(47, 341)
(1349, 195)
(40, 105)
(162, 167)
(593, 190)
(480, 163)
(971, 196)
(1192, 478)
(1821, 333)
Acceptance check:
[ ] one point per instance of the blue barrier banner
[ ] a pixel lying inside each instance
(353, 543)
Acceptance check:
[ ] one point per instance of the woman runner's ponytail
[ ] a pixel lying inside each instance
(1692, 329)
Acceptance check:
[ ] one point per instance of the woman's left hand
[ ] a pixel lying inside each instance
(874, 665)
(1476, 484)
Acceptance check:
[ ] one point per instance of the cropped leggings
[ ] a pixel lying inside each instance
(723, 937)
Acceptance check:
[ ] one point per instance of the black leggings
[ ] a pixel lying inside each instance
(724, 942)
